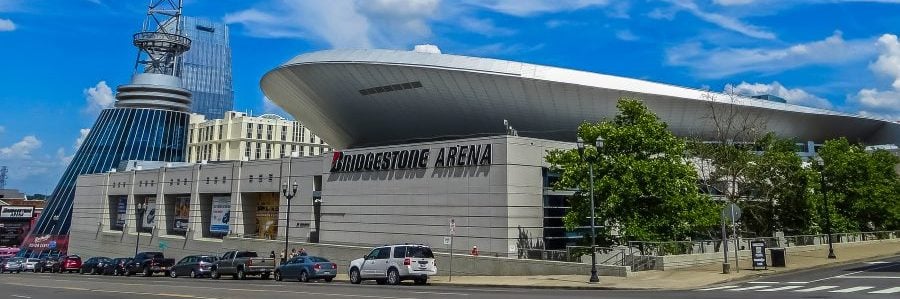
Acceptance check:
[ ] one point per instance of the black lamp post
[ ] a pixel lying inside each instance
(139, 209)
(598, 144)
(287, 227)
(827, 213)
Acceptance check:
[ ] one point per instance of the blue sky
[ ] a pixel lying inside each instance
(60, 60)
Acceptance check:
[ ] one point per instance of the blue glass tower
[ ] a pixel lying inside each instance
(206, 68)
(149, 122)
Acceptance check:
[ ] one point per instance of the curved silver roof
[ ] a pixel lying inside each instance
(355, 98)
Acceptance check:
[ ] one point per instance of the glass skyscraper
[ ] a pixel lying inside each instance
(206, 68)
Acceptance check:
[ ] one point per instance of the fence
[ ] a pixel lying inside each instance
(642, 255)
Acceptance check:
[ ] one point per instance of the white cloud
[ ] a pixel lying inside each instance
(484, 27)
(525, 8)
(7, 25)
(794, 95)
(84, 133)
(99, 97)
(727, 22)
(720, 62)
(341, 23)
(883, 103)
(21, 149)
(626, 35)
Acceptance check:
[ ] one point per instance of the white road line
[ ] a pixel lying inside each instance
(886, 291)
(748, 288)
(850, 290)
(717, 288)
(20, 296)
(764, 282)
(876, 263)
(798, 282)
(439, 293)
(873, 277)
(816, 289)
(780, 289)
(857, 272)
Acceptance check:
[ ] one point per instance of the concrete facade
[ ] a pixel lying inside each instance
(493, 204)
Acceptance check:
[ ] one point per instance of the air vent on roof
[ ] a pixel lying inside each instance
(392, 87)
(204, 28)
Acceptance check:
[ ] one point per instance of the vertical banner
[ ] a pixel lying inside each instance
(267, 215)
(121, 210)
(221, 214)
(150, 213)
(759, 254)
(182, 213)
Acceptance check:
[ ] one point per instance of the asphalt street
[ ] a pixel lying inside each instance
(874, 279)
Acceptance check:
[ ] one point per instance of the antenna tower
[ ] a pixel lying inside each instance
(160, 42)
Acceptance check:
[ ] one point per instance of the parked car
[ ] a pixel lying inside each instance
(394, 263)
(13, 264)
(116, 266)
(193, 266)
(31, 264)
(94, 265)
(46, 264)
(306, 268)
(149, 263)
(239, 264)
(68, 263)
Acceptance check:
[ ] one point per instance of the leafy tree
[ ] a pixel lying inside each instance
(863, 188)
(778, 182)
(645, 188)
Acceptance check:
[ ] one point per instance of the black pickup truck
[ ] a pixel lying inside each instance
(148, 263)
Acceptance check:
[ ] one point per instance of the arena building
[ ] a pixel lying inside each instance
(427, 140)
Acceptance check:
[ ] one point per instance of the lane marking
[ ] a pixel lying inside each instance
(872, 277)
(857, 272)
(717, 288)
(820, 288)
(747, 288)
(20, 296)
(764, 282)
(851, 290)
(111, 291)
(780, 289)
(886, 291)
(798, 282)
(439, 293)
(877, 263)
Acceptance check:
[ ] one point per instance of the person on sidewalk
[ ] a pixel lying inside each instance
(474, 250)
(302, 251)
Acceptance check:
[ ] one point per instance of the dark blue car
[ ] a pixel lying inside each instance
(305, 268)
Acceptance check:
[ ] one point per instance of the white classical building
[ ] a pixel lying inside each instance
(241, 137)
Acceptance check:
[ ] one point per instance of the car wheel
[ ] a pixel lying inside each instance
(277, 275)
(174, 274)
(241, 275)
(354, 276)
(393, 277)
(304, 277)
(215, 274)
(266, 276)
(193, 274)
(81, 271)
(147, 272)
(329, 279)
(93, 271)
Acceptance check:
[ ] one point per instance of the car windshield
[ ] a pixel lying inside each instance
(33, 260)
(207, 259)
(246, 254)
(420, 252)
(316, 259)
(154, 255)
(103, 259)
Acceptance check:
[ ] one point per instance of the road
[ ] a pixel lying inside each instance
(875, 279)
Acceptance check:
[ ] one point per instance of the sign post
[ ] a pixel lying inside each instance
(732, 213)
(759, 254)
(452, 232)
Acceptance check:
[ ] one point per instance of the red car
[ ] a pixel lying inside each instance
(69, 263)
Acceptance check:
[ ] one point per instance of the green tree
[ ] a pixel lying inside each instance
(778, 184)
(645, 188)
(863, 188)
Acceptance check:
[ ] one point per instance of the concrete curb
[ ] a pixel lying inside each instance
(510, 286)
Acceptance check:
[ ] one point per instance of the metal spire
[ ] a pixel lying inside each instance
(160, 42)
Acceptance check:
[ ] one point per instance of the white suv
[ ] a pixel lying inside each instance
(394, 263)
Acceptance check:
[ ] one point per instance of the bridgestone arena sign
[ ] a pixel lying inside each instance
(453, 156)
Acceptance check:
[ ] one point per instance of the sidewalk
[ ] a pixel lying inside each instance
(686, 278)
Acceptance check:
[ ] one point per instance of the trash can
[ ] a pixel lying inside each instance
(778, 258)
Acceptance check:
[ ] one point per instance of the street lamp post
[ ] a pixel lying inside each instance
(287, 227)
(598, 144)
(827, 213)
(137, 227)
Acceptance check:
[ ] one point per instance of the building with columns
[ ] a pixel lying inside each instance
(242, 137)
